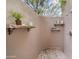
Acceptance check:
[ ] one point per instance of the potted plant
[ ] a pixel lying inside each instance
(17, 17)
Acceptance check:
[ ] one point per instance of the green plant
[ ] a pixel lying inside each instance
(16, 15)
(62, 2)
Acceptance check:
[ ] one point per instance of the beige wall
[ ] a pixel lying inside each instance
(52, 39)
(27, 45)
(68, 27)
(68, 38)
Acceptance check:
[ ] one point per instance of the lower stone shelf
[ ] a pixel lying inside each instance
(55, 29)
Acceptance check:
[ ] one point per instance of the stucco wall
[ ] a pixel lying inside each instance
(68, 38)
(67, 14)
(27, 45)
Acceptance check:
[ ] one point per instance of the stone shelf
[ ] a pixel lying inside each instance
(12, 27)
(58, 24)
(55, 29)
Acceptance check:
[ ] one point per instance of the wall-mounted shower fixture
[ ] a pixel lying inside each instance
(70, 33)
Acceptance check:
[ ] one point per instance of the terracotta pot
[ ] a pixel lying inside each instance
(18, 22)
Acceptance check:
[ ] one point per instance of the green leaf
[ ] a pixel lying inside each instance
(16, 15)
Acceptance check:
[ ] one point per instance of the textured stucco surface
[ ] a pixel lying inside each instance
(68, 27)
(27, 45)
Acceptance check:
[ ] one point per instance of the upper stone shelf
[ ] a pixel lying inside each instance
(59, 24)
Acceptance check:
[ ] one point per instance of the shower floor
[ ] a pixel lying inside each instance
(51, 54)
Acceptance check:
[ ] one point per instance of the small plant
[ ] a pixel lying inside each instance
(17, 17)
(62, 2)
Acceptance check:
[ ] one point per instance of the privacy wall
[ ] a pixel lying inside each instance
(27, 45)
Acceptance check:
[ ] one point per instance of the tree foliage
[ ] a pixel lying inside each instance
(46, 7)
